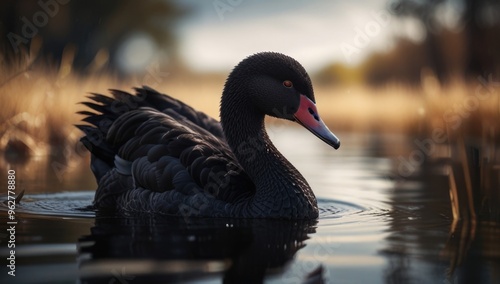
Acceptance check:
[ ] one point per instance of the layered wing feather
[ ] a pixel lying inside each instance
(151, 152)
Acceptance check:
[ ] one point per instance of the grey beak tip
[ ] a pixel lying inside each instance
(336, 146)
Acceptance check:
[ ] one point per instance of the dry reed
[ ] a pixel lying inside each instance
(39, 104)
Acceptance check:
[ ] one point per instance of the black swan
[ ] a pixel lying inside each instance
(151, 153)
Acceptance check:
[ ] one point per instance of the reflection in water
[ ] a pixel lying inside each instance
(377, 225)
(473, 251)
(163, 249)
(53, 173)
(426, 243)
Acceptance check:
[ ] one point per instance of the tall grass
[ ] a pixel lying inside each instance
(38, 108)
(412, 110)
(39, 104)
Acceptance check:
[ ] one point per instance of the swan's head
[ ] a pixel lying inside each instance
(277, 85)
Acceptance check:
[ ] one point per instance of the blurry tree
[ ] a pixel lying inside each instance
(478, 26)
(461, 40)
(482, 18)
(338, 74)
(87, 26)
(403, 64)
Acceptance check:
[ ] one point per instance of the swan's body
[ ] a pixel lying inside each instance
(153, 153)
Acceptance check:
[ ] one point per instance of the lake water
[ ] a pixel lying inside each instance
(375, 226)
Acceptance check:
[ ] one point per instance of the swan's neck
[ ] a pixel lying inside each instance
(280, 188)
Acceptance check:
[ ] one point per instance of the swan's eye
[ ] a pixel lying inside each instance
(288, 83)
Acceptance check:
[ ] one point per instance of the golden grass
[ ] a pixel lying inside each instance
(398, 108)
(38, 110)
(38, 106)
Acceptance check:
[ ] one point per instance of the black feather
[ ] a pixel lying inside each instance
(170, 145)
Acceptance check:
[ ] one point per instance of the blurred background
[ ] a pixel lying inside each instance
(410, 86)
(422, 69)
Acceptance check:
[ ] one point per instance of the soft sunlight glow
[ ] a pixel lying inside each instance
(411, 28)
(313, 32)
(136, 53)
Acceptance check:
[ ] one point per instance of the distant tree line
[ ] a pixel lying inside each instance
(88, 26)
(465, 50)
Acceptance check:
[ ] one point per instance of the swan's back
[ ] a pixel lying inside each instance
(153, 153)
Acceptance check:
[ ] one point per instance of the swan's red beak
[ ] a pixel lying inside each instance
(308, 116)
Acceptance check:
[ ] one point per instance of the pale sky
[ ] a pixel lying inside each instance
(219, 33)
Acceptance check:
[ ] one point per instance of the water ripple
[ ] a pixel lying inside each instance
(64, 204)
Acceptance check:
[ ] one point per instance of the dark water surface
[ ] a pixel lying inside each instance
(375, 226)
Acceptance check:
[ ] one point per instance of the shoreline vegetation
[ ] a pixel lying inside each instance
(39, 106)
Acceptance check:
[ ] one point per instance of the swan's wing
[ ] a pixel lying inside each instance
(149, 153)
(179, 110)
(109, 109)
(147, 97)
